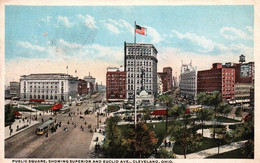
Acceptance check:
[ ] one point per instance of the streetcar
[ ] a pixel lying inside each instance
(45, 127)
(65, 109)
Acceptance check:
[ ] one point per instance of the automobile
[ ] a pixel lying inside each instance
(79, 103)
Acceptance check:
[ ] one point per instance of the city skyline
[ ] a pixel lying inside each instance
(91, 38)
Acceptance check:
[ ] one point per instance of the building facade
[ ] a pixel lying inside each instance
(188, 81)
(49, 87)
(146, 69)
(159, 85)
(242, 92)
(217, 78)
(115, 84)
(166, 77)
(91, 83)
(82, 87)
(15, 89)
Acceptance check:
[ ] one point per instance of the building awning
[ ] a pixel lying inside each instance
(56, 107)
(159, 112)
(37, 100)
(187, 111)
(17, 113)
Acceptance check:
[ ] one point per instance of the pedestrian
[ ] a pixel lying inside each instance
(42, 120)
(68, 122)
(85, 123)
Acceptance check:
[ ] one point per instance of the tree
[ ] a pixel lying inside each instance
(246, 131)
(224, 108)
(113, 142)
(9, 114)
(163, 153)
(238, 112)
(184, 134)
(223, 136)
(147, 113)
(212, 100)
(140, 141)
(204, 114)
(167, 101)
(178, 110)
(203, 98)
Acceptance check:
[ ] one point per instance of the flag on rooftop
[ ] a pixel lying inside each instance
(140, 30)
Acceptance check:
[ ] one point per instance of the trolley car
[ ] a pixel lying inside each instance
(45, 127)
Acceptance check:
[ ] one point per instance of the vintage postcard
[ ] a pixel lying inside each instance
(120, 82)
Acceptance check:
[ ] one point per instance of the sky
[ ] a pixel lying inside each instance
(47, 39)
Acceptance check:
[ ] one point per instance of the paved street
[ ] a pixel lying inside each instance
(73, 143)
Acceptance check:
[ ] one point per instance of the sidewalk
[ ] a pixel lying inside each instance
(22, 125)
(213, 151)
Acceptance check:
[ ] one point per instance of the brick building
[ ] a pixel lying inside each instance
(218, 78)
(115, 84)
(166, 77)
(82, 87)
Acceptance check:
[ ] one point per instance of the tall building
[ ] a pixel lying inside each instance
(146, 67)
(82, 87)
(91, 83)
(14, 89)
(49, 87)
(115, 84)
(242, 92)
(217, 78)
(188, 81)
(166, 77)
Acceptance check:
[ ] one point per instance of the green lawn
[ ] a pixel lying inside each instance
(206, 144)
(237, 153)
(44, 107)
(22, 109)
(226, 120)
(112, 108)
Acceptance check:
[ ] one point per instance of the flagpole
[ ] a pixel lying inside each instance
(135, 73)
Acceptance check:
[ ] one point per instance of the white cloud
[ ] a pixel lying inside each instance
(120, 26)
(232, 33)
(155, 36)
(65, 21)
(28, 45)
(201, 41)
(88, 20)
(250, 29)
(47, 19)
(69, 45)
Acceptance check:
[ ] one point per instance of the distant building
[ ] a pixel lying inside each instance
(91, 83)
(7, 92)
(175, 82)
(14, 89)
(115, 84)
(188, 81)
(242, 92)
(217, 78)
(82, 87)
(49, 87)
(146, 66)
(166, 77)
(159, 85)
